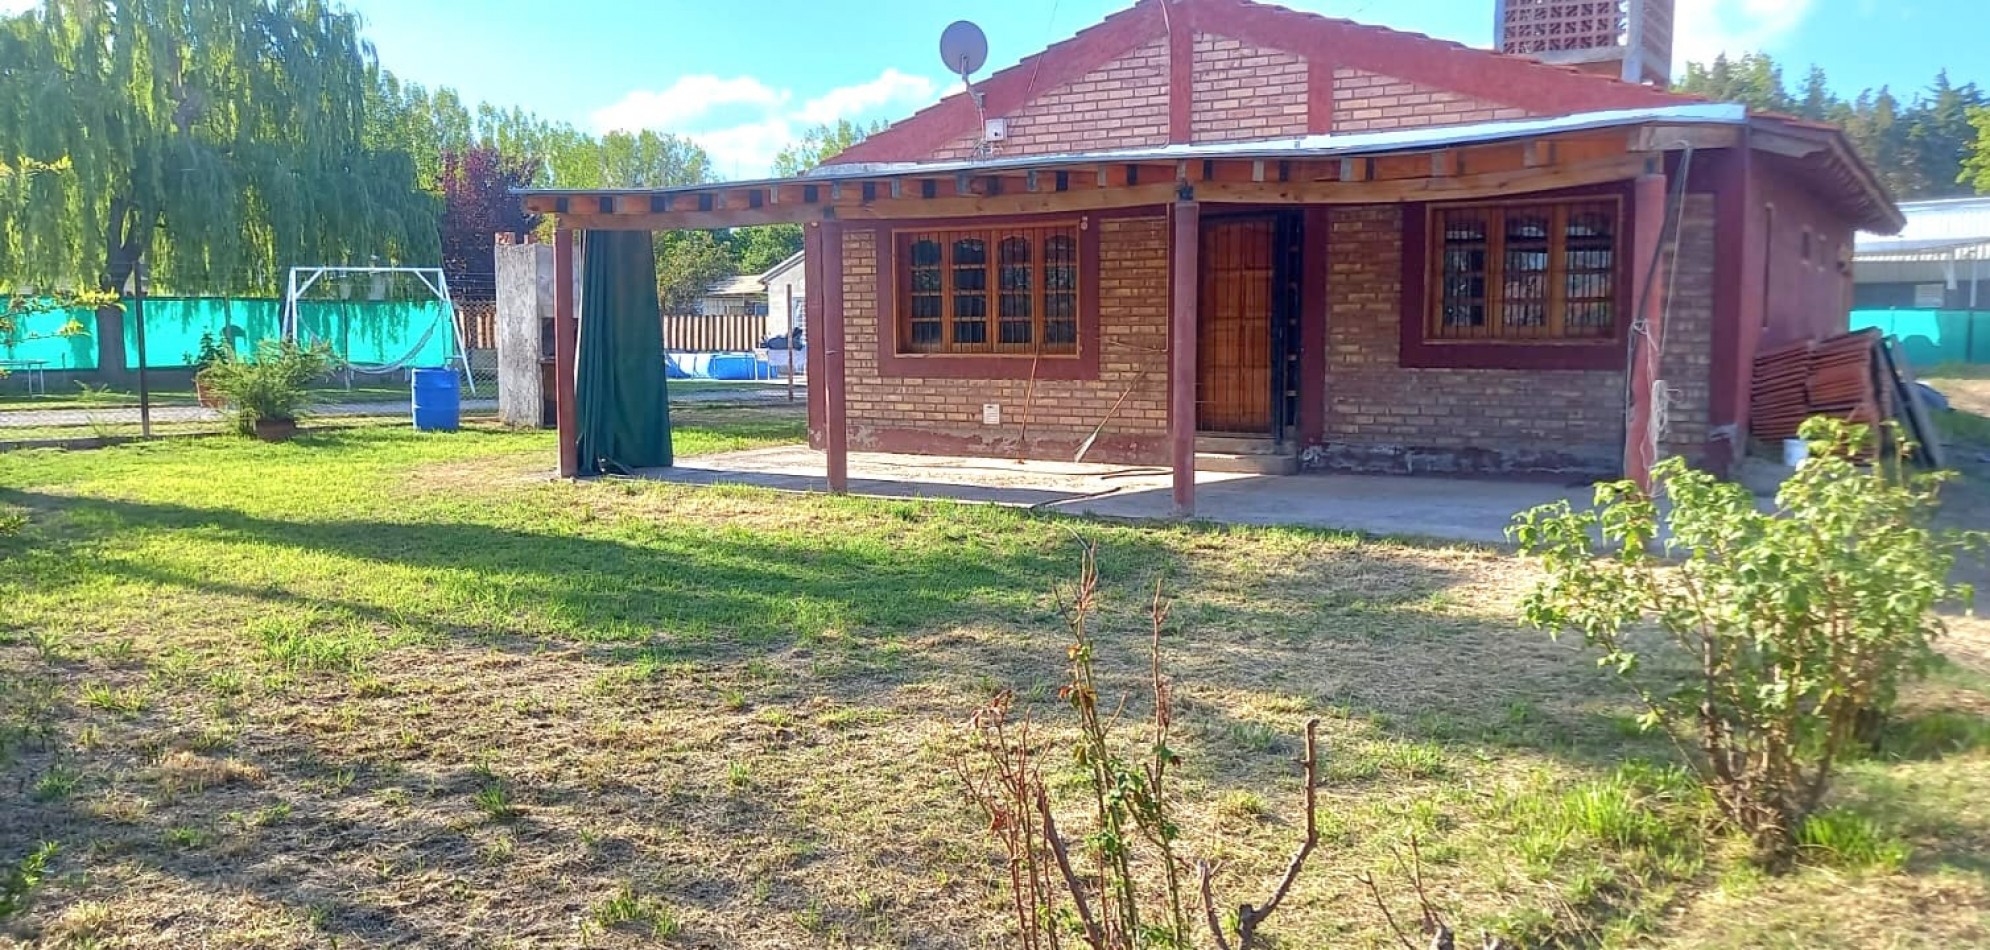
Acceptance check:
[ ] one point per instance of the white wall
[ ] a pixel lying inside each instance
(777, 291)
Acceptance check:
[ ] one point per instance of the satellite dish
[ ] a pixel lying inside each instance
(963, 47)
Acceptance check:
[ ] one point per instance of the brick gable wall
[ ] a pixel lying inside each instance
(899, 414)
(1122, 104)
(1238, 92)
(1371, 102)
(1243, 92)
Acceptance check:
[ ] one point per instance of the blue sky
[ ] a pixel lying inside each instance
(742, 77)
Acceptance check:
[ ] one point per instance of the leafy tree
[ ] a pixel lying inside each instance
(759, 248)
(1754, 80)
(819, 144)
(477, 204)
(219, 139)
(1801, 624)
(687, 262)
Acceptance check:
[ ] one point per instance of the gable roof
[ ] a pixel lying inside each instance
(1515, 81)
(781, 268)
(747, 285)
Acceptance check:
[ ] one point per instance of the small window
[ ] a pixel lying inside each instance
(1542, 271)
(993, 290)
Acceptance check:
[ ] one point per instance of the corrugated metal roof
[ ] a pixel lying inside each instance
(1935, 230)
(745, 285)
(1310, 146)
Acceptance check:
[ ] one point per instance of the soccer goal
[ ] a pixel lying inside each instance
(379, 320)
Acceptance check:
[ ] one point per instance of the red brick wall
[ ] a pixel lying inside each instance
(1242, 92)
(1121, 104)
(1383, 417)
(944, 415)
(1367, 102)
(1687, 362)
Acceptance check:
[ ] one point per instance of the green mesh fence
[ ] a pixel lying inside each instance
(364, 332)
(36, 339)
(1930, 337)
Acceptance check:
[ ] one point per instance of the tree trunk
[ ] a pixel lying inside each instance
(121, 250)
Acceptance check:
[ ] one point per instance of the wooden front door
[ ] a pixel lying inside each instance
(1233, 387)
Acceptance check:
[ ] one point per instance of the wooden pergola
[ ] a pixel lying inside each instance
(1445, 164)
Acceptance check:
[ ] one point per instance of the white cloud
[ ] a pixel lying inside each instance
(11, 7)
(685, 100)
(1707, 28)
(742, 151)
(743, 123)
(890, 87)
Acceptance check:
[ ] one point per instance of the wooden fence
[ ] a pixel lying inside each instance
(697, 332)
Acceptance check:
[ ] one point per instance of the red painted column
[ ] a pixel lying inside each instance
(1648, 204)
(836, 430)
(1183, 271)
(566, 345)
(812, 333)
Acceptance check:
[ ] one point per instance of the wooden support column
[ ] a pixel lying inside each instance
(835, 418)
(1641, 435)
(566, 347)
(1183, 273)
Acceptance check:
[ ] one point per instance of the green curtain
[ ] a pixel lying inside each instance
(619, 398)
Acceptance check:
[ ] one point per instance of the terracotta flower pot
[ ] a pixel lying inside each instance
(275, 430)
(208, 398)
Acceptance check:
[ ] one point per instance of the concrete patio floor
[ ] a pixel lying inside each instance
(1447, 508)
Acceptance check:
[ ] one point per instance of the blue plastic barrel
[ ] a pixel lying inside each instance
(438, 400)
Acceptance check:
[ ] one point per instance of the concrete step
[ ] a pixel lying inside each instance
(1239, 445)
(1249, 463)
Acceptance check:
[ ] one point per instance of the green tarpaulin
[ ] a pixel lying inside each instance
(364, 332)
(619, 398)
(1933, 337)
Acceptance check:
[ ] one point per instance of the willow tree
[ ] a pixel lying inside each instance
(218, 140)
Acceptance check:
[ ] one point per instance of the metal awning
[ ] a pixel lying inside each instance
(1874, 248)
(1310, 146)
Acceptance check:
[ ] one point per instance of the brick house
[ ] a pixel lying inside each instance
(1227, 225)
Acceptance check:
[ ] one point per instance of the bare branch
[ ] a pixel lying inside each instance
(1205, 872)
(1093, 935)
(1394, 928)
(1248, 918)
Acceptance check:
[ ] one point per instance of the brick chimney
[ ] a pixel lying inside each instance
(1628, 39)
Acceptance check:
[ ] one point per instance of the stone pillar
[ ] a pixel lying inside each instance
(524, 312)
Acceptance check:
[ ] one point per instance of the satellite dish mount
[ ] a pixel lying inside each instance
(964, 49)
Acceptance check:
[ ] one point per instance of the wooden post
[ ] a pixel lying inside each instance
(1183, 274)
(1641, 435)
(836, 430)
(788, 292)
(566, 346)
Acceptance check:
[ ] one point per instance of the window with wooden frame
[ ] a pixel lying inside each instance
(1536, 272)
(998, 290)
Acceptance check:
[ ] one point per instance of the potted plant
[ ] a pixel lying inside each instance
(211, 354)
(270, 391)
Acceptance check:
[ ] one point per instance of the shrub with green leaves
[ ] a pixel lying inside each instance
(272, 385)
(1801, 623)
(19, 880)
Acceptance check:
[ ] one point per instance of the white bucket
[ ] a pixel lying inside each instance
(1795, 451)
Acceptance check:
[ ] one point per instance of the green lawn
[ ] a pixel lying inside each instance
(378, 688)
